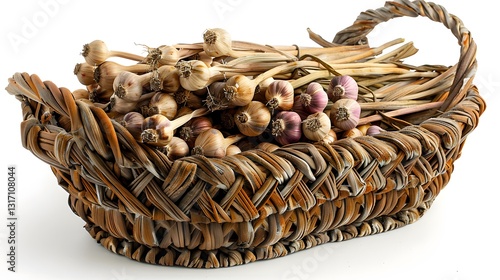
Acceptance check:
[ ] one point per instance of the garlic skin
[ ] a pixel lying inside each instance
(252, 119)
(81, 94)
(216, 99)
(353, 133)
(107, 71)
(163, 55)
(183, 111)
(190, 131)
(342, 87)
(121, 106)
(233, 150)
(287, 127)
(132, 121)
(163, 103)
(330, 138)
(176, 148)
(239, 91)
(166, 79)
(95, 52)
(217, 42)
(193, 74)
(279, 95)
(363, 128)
(298, 107)
(315, 98)
(129, 86)
(84, 73)
(316, 126)
(374, 130)
(158, 130)
(345, 114)
(211, 143)
(187, 98)
(260, 91)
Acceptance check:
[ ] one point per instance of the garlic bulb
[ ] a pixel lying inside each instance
(363, 128)
(352, 133)
(316, 126)
(163, 55)
(374, 130)
(121, 106)
(211, 143)
(84, 73)
(239, 90)
(279, 95)
(345, 114)
(158, 130)
(187, 98)
(315, 98)
(163, 103)
(129, 86)
(96, 52)
(252, 119)
(132, 121)
(330, 137)
(183, 111)
(194, 74)
(193, 128)
(342, 87)
(107, 71)
(81, 94)
(176, 148)
(260, 91)
(232, 150)
(167, 78)
(216, 99)
(298, 107)
(286, 127)
(217, 42)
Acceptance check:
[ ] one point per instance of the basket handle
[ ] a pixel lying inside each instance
(466, 68)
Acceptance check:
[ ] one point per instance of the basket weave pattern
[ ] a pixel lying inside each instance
(206, 212)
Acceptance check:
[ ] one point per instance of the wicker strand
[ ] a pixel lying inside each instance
(467, 64)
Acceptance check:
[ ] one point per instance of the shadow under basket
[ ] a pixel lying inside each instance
(205, 213)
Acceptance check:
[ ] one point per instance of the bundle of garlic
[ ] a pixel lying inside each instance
(205, 98)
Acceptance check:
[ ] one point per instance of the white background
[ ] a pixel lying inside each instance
(456, 239)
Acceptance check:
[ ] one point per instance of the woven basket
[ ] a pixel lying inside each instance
(137, 203)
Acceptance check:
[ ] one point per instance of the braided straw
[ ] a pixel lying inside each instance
(205, 212)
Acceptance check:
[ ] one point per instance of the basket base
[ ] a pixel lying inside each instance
(225, 257)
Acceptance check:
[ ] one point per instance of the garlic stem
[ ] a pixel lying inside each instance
(126, 55)
(310, 78)
(370, 52)
(400, 112)
(403, 51)
(178, 122)
(391, 105)
(446, 78)
(402, 77)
